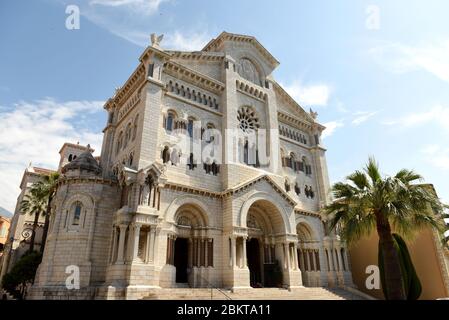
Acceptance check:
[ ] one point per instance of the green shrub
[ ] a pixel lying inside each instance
(22, 274)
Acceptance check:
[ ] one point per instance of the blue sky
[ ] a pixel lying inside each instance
(377, 72)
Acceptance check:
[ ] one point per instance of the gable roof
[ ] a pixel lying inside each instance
(214, 43)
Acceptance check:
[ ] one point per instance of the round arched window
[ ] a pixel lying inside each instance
(248, 121)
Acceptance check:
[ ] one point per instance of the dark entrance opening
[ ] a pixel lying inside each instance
(181, 259)
(254, 265)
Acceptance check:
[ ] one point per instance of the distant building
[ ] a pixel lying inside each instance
(18, 240)
(4, 229)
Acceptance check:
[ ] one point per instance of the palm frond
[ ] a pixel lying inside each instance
(359, 179)
(372, 169)
(408, 176)
(407, 207)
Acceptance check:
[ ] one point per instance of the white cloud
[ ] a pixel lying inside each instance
(331, 127)
(146, 7)
(186, 41)
(400, 58)
(437, 156)
(438, 115)
(309, 95)
(362, 116)
(34, 132)
(130, 21)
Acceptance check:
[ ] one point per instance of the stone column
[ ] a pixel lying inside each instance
(301, 259)
(152, 243)
(233, 252)
(295, 254)
(190, 253)
(148, 247)
(307, 261)
(268, 249)
(315, 267)
(114, 244)
(121, 244)
(340, 259)
(198, 258)
(244, 252)
(287, 252)
(172, 258)
(206, 253)
(136, 241)
(329, 259)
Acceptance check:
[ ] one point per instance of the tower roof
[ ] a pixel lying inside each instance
(85, 161)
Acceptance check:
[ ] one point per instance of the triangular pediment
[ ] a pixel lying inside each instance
(260, 179)
(226, 42)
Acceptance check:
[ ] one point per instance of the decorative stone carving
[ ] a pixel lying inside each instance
(252, 222)
(156, 40)
(184, 221)
(248, 71)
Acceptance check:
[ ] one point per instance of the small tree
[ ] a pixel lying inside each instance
(22, 274)
(368, 202)
(34, 203)
(48, 188)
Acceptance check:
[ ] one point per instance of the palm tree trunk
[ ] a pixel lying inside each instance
(392, 265)
(33, 235)
(46, 225)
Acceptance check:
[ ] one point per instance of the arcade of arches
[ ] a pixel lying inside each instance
(266, 252)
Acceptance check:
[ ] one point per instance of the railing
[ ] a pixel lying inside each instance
(212, 287)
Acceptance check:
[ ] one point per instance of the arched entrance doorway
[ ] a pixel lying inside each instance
(308, 255)
(190, 247)
(264, 248)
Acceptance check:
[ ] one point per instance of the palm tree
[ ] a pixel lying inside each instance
(35, 203)
(48, 187)
(367, 201)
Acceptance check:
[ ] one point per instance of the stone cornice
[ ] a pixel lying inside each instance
(192, 190)
(229, 192)
(251, 90)
(153, 50)
(134, 81)
(96, 180)
(192, 103)
(308, 213)
(197, 55)
(294, 121)
(189, 75)
(237, 189)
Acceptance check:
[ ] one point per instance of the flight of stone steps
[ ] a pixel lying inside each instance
(253, 294)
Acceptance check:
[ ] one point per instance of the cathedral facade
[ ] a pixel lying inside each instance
(210, 175)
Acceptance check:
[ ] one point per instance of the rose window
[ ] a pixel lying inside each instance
(248, 121)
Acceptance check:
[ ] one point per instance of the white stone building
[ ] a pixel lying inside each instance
(151, 214)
